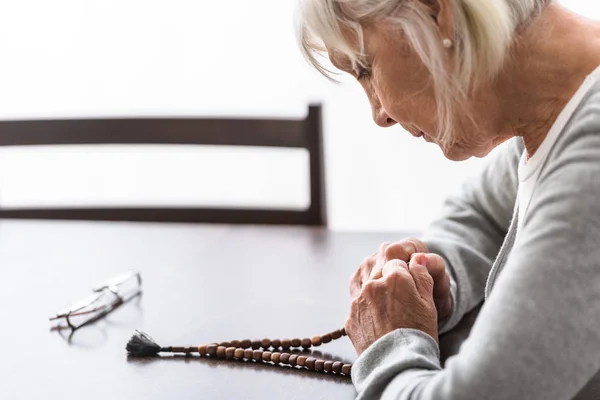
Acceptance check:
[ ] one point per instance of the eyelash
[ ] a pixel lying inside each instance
(362, 73)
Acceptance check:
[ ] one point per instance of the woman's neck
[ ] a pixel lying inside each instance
(550, 62)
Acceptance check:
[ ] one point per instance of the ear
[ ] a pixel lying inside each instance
(442, 13)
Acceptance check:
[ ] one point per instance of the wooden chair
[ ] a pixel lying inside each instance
(295, 133)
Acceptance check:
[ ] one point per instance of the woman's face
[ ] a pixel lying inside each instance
(400, 91)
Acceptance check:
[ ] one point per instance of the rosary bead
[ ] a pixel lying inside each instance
(337, 367)
(319, 365)
(229, 352)
(238, 353)
(251, 350)
(276, 357)
(316, 341)
(266, 356)
(292, 360)
(301, 361)
(211, 349)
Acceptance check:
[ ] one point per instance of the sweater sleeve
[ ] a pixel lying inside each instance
(471, 229)
(538, 334)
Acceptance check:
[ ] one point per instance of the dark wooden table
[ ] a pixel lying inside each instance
(202, 283)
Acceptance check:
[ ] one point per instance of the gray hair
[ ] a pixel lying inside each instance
(483, 33)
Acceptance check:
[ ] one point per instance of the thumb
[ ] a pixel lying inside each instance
(421, 276)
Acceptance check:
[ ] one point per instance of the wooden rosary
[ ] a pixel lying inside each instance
(273, 351)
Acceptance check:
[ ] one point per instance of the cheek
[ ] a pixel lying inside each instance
(404, 99)
(404, 104)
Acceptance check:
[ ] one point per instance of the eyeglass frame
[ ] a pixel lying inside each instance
(110, 286)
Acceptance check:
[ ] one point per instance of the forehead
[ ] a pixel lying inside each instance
(376, 38)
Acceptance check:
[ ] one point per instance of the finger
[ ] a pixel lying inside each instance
(378, 257)
(422, 278)
(404, 249)
(365, 269)
(397, 268)
(436, 266)
(360, 276)
(401, 250)
(393, 266)
(355, 284)
(396, 273)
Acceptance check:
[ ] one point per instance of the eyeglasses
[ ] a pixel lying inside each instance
(105, 298)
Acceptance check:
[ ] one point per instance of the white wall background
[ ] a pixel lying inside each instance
(79, 58)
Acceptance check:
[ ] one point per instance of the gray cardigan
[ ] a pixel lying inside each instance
(538, 333)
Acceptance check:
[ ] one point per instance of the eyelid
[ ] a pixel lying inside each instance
(361, 73)
(361, 70)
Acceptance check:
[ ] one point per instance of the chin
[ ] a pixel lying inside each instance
(453, 154)
(456, 153)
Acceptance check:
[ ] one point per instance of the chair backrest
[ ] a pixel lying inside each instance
(287, 133)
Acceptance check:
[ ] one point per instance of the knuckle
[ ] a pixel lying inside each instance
(403, 249)
(396, 263)
(419, 245)
(366, 263)
(399, 277)
(383, 246)
(396, 251)
(369, 288)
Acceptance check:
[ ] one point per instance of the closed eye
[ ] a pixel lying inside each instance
(362, 73)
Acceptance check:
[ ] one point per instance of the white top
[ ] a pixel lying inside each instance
(529, 169)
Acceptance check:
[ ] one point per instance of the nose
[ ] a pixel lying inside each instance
(381, 118)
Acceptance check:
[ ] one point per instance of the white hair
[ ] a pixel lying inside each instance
(483, 33)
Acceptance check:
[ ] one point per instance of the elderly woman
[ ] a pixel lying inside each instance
(469, 75)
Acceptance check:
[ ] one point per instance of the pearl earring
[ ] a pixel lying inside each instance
(447, 43)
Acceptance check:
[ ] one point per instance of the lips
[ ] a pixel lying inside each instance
(420, 133)
(416, 132)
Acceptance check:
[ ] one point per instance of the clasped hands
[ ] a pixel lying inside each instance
(399, 286)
